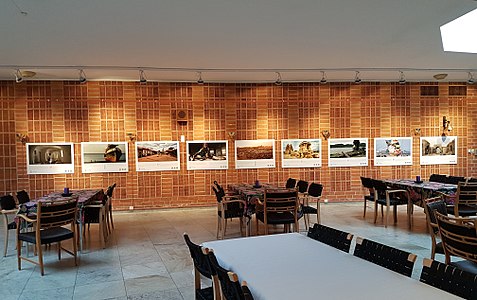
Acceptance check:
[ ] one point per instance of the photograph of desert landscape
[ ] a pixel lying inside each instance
(254, 150)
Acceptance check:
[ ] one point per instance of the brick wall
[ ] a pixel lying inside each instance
(105, 111)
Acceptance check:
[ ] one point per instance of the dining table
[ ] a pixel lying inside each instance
(85, 197)
(294, 266)
(422, 190)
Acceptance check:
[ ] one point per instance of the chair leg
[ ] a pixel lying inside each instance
(19, 254)
(5, 234)
(364, 211)
(387, 216)
(395, 213)
(376, 211)
(40, 258)
(59, 250)
(219, 221)
(318, 212)
(224, 227)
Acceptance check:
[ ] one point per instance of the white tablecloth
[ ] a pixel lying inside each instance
(293, 266)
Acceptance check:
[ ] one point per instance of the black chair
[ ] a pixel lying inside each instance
(49, 222)
(302, 189)
(230, 288)
(23, 197)
(109, 206)
(201, 267)
(336, 238)
(456, 179)
(385, 196)
(431, 205)
(96, 213)
(438, 178)
(290, 184)
(385, 256)
(278, 207)
(465, 200)
(459, 238)
(314, 192)
(8, 208)
(369, 192)
(228, 207)
(449, 278)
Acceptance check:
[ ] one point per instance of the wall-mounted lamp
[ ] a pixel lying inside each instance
(357, 78)
(231, 135)
(81, 76)
(199, 78)
(142, 77)
(22, 138)
(18, 76)
(417, 131)
(132, 136)
(325, 134)
(446, 126)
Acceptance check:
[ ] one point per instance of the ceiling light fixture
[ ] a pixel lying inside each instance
(142, 77)
(200, 80)
(323, 78)
(440, 76)
(18, 76)
(402, 78)
(82, 76)
(357, 78)
(279, 79)
(471, 79)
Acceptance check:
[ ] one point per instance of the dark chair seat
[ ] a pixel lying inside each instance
(464, 210)
(465, 265)
(47, 236)
(277, 218)
(205, 293)
(231, 214)
(306, 209)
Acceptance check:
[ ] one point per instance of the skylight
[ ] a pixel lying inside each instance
(459, 34)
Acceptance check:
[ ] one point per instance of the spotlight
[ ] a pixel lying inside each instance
(471, 79)
(142, 77)
(82, 76)
(357, 79)
(18, 76)
(279, 79)
(402, 78)
(323, 78)
(200, 80)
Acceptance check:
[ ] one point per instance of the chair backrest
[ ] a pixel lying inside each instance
(438, 178)
(449, 278)
(459, 236)
(110, 190)
(431, 205)
(385, 256)
(315, 189)
(456, 179)
(219, 191)
(7, 202)
(466, 194)
(302, 186)
(229, 284)
(56, 213)
(23, 197)
(336, 238)
(280, 201)
(367, 183)
(379, 187)
(200, 260)
(290, 184)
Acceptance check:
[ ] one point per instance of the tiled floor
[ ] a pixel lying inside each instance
(147, 259)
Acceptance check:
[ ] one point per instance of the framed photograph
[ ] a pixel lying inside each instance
(254, 154)
(104, 157)
(50, 158)
(304, 153)
(157, 156)
(438, 150)
(351, 152)
(393, 151)
(207, 155)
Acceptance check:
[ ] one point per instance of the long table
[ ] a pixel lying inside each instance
(293, 266)
(422, 190)
(84, 197)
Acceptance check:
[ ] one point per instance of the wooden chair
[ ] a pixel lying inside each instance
(290, 184)
(385, 256)
(228, 207)
(48, 222)
(368, 192)
(302, 188)
(8, 208)
(314, 192)
(97, 213)
(336, 238)
(109, 207)
(431, 205)
(229, 286)
(201, 267)
(459, 238)
(385, 196)
(278, 207)
(449, 278)
(465, 200)
(438, 178)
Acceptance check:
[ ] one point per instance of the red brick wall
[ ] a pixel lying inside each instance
(105, 111)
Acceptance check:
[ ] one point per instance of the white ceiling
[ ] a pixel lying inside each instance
(298, 38)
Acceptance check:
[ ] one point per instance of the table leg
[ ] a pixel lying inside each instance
(80, 212)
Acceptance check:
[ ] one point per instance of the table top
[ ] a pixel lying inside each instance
(428, 185)
(293, 266)
(249, 190)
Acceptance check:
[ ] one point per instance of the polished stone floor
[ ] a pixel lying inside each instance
(146, 257)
